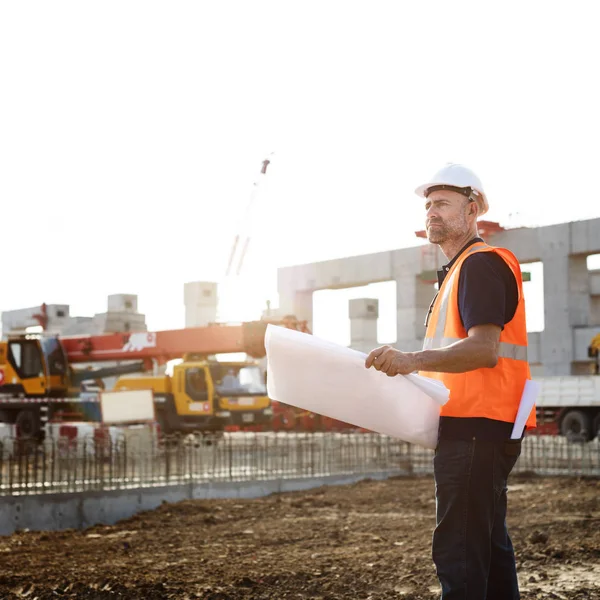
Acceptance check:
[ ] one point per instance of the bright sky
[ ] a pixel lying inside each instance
(131, 134)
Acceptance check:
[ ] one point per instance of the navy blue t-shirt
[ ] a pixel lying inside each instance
(487, 295)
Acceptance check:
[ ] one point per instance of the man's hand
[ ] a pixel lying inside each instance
(392, 362)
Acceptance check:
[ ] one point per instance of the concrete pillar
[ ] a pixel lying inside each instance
(595, 297)
(200, 299)
(414, 293)
(363, 313)
(595, 310)
(579, 292)
(297, 303)
(567, 294)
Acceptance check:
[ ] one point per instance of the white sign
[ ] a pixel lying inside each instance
(246, 401)
(127, 406)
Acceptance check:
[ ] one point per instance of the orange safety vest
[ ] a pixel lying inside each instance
(489, 393)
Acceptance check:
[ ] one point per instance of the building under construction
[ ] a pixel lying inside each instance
(571, 291)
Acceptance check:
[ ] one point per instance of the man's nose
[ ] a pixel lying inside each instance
(431, 212)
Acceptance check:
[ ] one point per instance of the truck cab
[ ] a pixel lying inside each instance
(206, 395)
(33, 366)
(241, 390)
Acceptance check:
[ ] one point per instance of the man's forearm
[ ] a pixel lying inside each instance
(465, 355)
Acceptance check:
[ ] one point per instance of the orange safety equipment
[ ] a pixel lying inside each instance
(490, 393)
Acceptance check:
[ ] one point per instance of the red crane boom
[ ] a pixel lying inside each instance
(170, 344)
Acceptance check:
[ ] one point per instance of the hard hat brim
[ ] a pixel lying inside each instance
(483, 206)
(420, 191)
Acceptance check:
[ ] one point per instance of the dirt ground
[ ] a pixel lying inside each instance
(370, 540)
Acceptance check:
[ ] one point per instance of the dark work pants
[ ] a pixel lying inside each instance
(472, 551)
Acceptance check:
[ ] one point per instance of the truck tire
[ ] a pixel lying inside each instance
(27, 424)
(576, 425)
(596, 427)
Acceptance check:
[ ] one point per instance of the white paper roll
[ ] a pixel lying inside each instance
(331, 380)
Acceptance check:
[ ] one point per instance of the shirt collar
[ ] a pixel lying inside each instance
(441, 274)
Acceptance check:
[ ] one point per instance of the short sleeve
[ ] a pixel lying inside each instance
(487, 291)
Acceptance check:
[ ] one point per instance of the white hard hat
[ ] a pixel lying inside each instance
(459, 178)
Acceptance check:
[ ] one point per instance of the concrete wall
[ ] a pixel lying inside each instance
(571, 292)
(122, 315)
(45, 512)
(20, 319)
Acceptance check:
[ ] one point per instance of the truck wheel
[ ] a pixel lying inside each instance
(27, 424)
(577, 426)
(596, 427)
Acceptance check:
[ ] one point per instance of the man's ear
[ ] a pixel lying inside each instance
(473, 208)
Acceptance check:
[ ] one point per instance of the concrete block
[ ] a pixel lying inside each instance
(407, 325)
(594, 282)
(425, 293)
(534, 344)
(78, 326)
(200, 293)
(123, 303)
(363, 330)
(363, 308)
(364, 345)
(409, 345)
(58, 311)
(406, 292)
(579, 291)
(111, 322)
(20, 319)
(301, 306)
(536, 370)
(595, 311)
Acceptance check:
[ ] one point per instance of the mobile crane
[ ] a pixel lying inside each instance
(39, 378)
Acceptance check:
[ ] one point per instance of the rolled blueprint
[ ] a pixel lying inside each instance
(530, 394)
(331, 380)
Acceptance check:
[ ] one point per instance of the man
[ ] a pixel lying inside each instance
(476, 344)
(230, 380)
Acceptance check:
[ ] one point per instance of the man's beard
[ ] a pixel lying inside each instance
(437, 234)
(445, 229)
